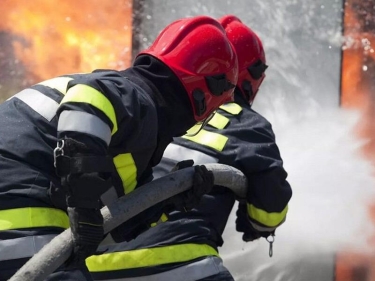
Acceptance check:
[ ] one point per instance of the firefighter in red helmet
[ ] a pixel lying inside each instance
(184, 245)
(111, 128)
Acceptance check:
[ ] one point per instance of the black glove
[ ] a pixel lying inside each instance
(243, 225)
(87, 231)
(85, 173)
(203, 181)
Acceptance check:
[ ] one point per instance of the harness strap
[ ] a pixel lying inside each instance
(66, 165)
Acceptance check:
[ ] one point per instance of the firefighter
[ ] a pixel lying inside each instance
(72, 143)
(184, 245)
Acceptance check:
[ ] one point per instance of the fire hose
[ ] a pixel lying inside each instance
(56, 252)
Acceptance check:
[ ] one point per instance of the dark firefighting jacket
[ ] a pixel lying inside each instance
(236, 136)
(124, 112)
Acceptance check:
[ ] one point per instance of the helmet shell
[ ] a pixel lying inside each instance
(250, 54)
(199, 53)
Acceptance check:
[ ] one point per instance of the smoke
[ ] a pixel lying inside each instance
(328, 213)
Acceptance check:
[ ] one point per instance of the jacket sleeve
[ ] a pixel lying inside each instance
(258, 157)
(102, 111)
(92, 108)
(240, 137)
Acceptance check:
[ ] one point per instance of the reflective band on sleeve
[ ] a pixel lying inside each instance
(83, 122)
(39, 102)
(149, 257)
(197, 270)
(86, 94)
(267, 219)
(127, 171)
(179, 153)
(218, 121)
(210, 139)
(58, 83)
(23, 247)
(262, 228)
(33, 217)
(232, 108)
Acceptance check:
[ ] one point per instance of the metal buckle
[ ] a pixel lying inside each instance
(58, 151)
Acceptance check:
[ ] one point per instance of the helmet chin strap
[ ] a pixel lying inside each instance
(201, 125)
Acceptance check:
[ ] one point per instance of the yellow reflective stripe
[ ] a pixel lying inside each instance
(33, 217)
(232, 108)
(127, 171)
(163, 218)
(148, 257)
(267, 219)
(210, 139)
(219, 121)
(87, 94)
(194, 129)
(58, 83)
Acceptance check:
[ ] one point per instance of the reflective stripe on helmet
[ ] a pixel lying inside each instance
(86, 94)
(33, 217)
(84, 122)
(127, 171)
(148, 257)
(210, 139)
(267, 219)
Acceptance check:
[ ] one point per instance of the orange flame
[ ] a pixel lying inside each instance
(51, 38)
(357, 82)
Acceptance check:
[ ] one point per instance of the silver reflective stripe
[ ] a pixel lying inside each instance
(84, 122)
(23, 247)
(190, 272)
(179, 153)
(39, 102)
(264, 228)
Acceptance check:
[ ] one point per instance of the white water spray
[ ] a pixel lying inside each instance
(332, 189)
(332, 183)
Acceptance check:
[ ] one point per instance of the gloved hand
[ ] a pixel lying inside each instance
(87, 231)
(203, 181)
(85, 174)
(243, 225)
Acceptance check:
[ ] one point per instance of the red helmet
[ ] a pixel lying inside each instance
(250, 53)
(198, 51)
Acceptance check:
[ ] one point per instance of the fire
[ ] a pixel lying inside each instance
(357, 86)
(52, 38)
(359, 72)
